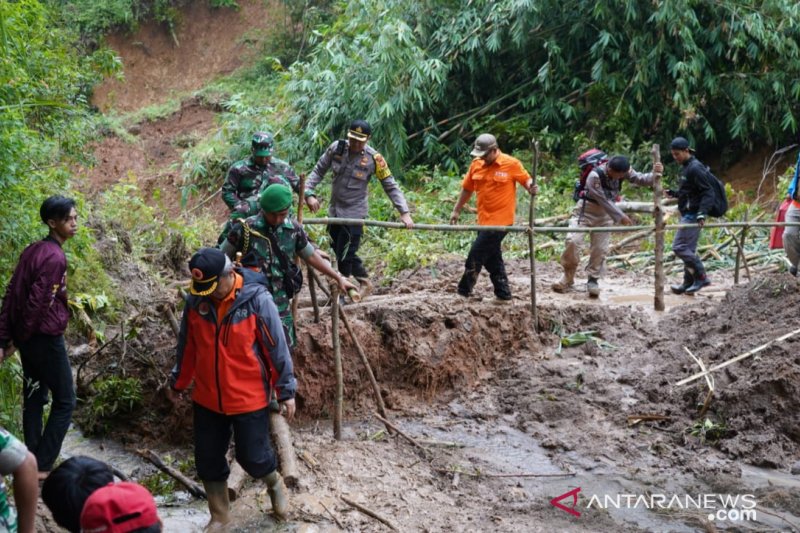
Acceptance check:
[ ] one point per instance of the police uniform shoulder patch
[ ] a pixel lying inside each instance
(381, 168)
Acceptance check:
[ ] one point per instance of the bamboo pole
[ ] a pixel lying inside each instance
(540, 229)
(337, 357)
(300, 201)
(658, 214)
(531, 242)
(628, 240)
(738, 358)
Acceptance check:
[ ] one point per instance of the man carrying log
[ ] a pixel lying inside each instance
(597, 208)
(231, 343)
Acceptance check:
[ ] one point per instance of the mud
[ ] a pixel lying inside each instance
(469, 372)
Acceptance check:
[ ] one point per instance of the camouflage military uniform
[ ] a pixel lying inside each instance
(253, 242)
(246, 180)
(351, 174)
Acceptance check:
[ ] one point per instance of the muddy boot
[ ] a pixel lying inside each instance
(699, 282)
(365, 287)
(688, 280)
(218, 505)
(566, 282)
(593, 287)
(278, 494)
(793, 270)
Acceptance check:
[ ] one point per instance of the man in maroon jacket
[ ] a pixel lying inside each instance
(33, 318)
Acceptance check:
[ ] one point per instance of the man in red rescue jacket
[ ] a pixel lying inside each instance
(231, 343)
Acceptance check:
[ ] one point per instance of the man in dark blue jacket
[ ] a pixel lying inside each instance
(33, 318)
(695, 200)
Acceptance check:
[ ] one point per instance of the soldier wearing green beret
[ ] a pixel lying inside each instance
(269, 241)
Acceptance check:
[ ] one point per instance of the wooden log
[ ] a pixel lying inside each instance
(282, 438)
(312, 290)
(194, 489)
(369, 512)
(658, 213)
(236, 480)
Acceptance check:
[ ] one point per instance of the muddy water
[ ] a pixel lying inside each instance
(181, 512)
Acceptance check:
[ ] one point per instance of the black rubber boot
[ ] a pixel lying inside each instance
(688, 281)
(699, 282)
(501, 289)
(593, 288)
(793, 270)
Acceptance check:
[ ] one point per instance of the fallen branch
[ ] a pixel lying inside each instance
(375, 389)
(341, 526)
(709, 381)
(369, 512)
(635, 419)
(738, 358)
(193, 488)
(394, 428)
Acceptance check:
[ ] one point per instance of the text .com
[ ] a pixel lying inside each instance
(719, 507)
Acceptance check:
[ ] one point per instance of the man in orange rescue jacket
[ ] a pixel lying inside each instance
(232, 344)
(493, 176)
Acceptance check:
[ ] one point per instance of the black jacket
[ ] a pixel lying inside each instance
(695, 195)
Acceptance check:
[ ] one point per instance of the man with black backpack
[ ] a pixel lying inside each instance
(269, 242)
(596, 207)
(698, 197)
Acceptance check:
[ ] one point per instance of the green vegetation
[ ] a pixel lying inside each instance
(114, 396)
(429, 75)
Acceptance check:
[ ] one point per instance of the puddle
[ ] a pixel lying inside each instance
(181, 513)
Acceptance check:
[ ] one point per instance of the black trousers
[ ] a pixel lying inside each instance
(212, 435)
(46, 370)
(346, 240)
(486, 252)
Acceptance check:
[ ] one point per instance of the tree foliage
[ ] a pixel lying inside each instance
(431, 74)
(44, 90)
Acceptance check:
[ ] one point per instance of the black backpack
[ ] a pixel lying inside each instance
(720, 206)
(587, 161)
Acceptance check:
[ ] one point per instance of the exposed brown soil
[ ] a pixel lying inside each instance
(208, 43)
(152, 160)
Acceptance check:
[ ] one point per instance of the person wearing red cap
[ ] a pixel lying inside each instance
(232, 345)
(120, 508)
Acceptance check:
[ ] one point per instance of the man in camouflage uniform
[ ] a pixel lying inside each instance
(248, 177)
(252, 238)
(353, 162)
